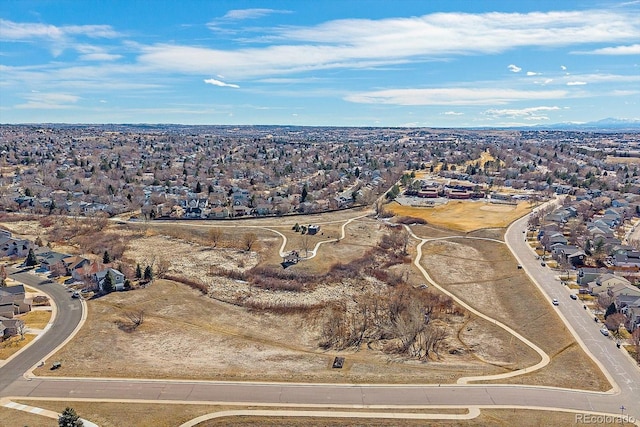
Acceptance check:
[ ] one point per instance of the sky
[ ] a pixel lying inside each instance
(436, 63)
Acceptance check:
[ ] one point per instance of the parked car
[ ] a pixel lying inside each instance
(543, 264)
(573, 296)
(555, 302)
(75, 295)
(605, 332)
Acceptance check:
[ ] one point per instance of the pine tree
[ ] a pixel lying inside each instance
(106, 258)
(31, 259)
(138, 271)
(69, 418)
(148, 273)
(107, 284)
(611, 310)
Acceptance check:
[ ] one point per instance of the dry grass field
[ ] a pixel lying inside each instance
(171, 415)
(224, 335)
(464, 216)
(483, 274)
(14, 344)
(36, 319)
(626, 160)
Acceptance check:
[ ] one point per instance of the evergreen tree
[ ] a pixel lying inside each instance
(138, 271)
(106, 258)
(305, 192)
(31, 259)
(610, 310)
(198, 187)
(148, 273)
(69, 418)
(107, 284)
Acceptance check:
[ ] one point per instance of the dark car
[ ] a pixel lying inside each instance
(543, 264)
(573, 296)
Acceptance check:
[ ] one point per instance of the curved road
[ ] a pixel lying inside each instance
(621, 368)
(69, 313)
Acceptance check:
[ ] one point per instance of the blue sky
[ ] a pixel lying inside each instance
(338, 63)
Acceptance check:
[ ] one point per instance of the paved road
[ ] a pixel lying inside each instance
(68, 317)
(616, 361)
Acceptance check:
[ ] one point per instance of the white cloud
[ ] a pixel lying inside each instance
(532, 73)
(100, 57)
(450, 96)
(359, 43)
(10, 30)
(563, 68)
(514, 68)
(531, 113)
(452, 113)
(51, 101)
(576, 83)
(220, 83)
(633, 49)
(239, 14)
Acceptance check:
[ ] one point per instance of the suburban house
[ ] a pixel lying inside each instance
(10, 246)
(629, 306)
(9, 327)
(589, 274)
(118, 278)
(48, 258)
(13, 301)
(572, 255)
(606, 281)
(74, 262)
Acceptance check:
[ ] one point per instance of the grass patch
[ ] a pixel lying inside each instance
(14, 344)
(464, 215)
(37, 319)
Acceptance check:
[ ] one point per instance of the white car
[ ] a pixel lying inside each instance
(555, 302)
(605, 332)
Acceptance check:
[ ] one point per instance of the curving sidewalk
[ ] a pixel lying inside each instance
(544, 357)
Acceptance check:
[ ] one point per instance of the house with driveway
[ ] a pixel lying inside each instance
(13, 301)
(116, 276)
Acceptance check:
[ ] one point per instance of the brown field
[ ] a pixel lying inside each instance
(171, 415)
(483, 274)
(14, 344)
(189, 335)
(465, 215)
(37, 319)
(627, 160)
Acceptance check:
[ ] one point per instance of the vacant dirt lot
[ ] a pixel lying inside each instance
(464, 215)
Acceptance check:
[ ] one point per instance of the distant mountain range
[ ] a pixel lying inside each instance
(608, 124)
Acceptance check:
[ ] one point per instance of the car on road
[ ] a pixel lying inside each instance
(605, 332)
(543, 264)
(573, 296)
(519, 266)
(555, 301)
(75, 295)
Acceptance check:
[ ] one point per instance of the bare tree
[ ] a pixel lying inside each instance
(135, 316)
(162, 267)
(21, 328)
(249, 240)
(215, 235)
(635, 340)
(613, 321)
(305, 244)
